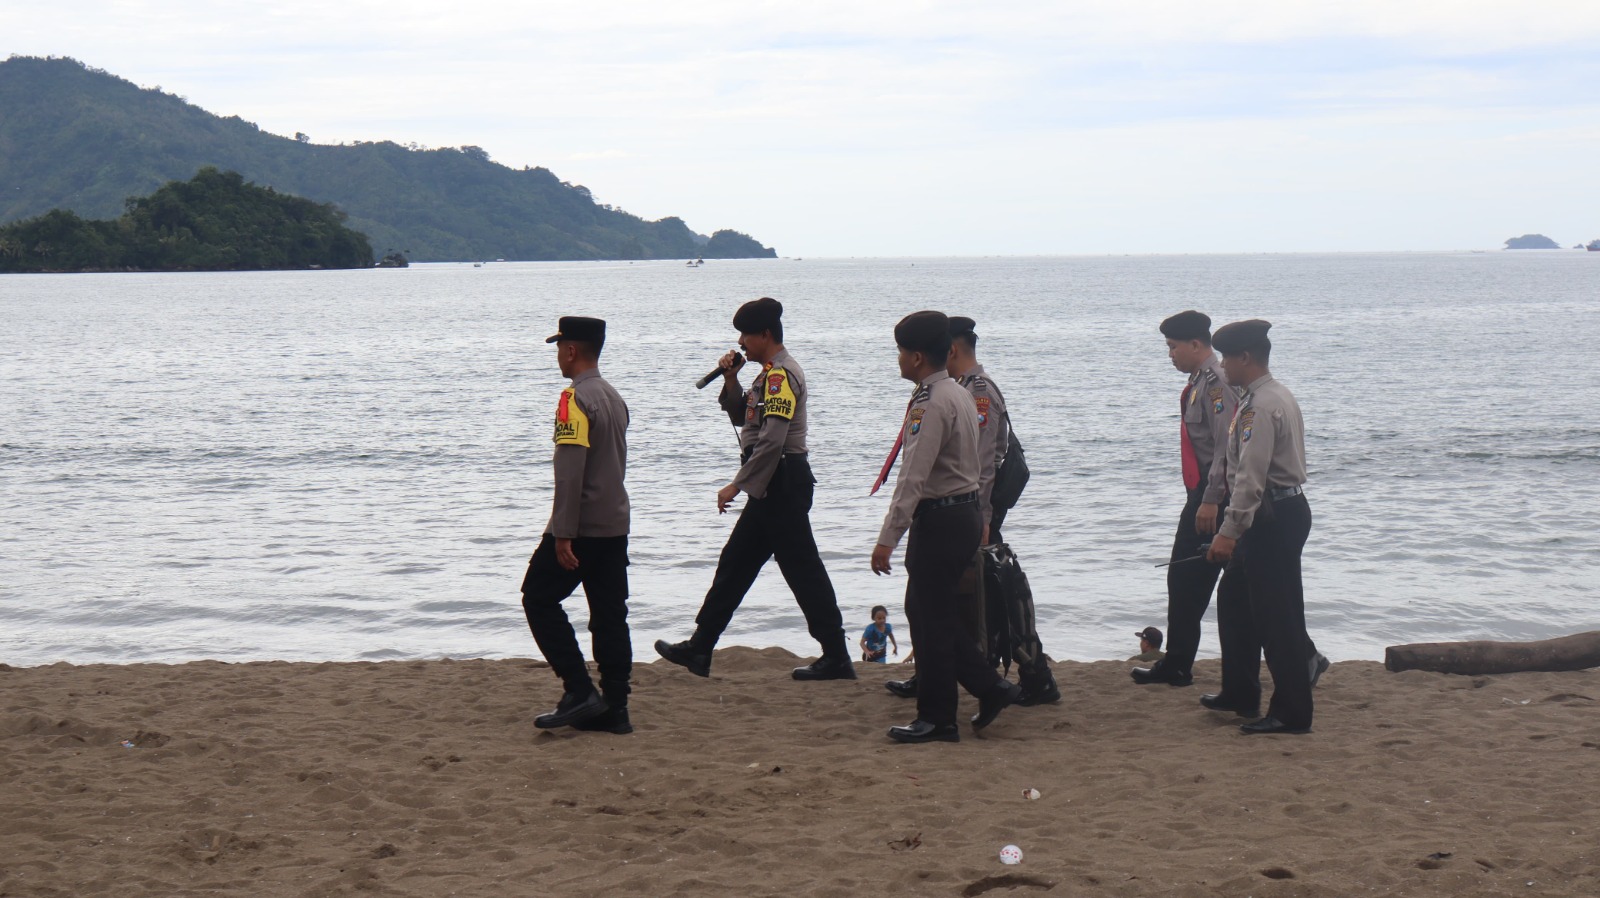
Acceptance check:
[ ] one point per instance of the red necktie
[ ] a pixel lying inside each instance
(894, 453)
(1191, 464)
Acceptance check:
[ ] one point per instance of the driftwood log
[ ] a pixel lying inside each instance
(1576, 652)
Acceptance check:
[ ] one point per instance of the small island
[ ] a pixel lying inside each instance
(1532, 241)
(216, 221)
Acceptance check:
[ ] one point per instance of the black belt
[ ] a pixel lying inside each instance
(1279, 493)
(946, 502)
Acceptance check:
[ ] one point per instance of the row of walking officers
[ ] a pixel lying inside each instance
(1246, 519)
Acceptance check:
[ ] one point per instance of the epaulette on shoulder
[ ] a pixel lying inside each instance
(923, 394)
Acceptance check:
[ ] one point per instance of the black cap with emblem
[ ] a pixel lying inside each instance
(757, 315)
(925, 332)
(585, 330)
(964, 329)
(1242, 336)
(1187, 325)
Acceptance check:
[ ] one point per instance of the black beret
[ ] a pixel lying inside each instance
(1242, 336)
(1190, 325)
(927, 332)
(758, 315)
(962, 326)
(576, 327)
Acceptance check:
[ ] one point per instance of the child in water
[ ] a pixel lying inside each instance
(878, 636)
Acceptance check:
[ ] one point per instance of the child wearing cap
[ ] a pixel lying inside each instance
(1149, 646)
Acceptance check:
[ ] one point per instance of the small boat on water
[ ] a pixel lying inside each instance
(1594, 246)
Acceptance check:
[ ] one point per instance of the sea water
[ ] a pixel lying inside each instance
(356, 465)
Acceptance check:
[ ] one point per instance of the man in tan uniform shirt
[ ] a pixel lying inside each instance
(1261, 601)
(936, 500)
(586, 540)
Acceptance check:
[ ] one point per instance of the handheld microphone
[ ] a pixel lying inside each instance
(717, 372)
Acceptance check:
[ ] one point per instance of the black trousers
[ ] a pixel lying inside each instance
(1261, 607)
(1189, 586)
(776, 525)
(603, 571)
(939, 550)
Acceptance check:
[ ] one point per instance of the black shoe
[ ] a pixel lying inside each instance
(1319, 666)
(903, 688)
(1270, 725)
(613, 720)
(573, 708)
(684, 655)
(1003, 695)
(1039, 692)
(920, 730)
(1158, 673)
(826, 668)
(1218, 702)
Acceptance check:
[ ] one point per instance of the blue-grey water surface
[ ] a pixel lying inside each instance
(355, 465)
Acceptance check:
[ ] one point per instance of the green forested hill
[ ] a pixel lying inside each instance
(79, 139)
(212, 222)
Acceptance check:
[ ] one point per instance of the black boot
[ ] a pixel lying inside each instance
(906, 688)
(574, 707)
(1038, 688)
(1004, 694)
(827, 668)
(684, 654)
(613, 720)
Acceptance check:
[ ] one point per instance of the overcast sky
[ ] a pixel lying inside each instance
(924, 128)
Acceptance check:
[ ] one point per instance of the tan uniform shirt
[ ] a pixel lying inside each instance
(591, 461)
(939, 452)
(771, 416)
(1206, 416)
(993, 433)
(1266, 450)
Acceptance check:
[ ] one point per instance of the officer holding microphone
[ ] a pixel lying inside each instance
(775, 474)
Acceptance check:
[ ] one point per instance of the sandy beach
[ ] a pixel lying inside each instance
(429, 779)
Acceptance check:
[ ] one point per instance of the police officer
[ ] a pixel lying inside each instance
(994, 432)
(936, 499)
(776, 474)
(1205, 407)
(586, 540)
(1261, 602)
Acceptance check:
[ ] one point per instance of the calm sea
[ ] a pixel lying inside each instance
(355, 465)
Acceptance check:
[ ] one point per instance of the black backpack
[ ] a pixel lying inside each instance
(1013, 474)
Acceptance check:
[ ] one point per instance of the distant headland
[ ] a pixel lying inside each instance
(1532, 241)
(213, 222)
(83, 140)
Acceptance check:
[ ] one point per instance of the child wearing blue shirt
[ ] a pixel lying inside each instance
(878, 636)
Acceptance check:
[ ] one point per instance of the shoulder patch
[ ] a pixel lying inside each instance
(983, 410)
(780, 400)
(914, 422)
(1246, 420)
(572, 425)
(1217, 404)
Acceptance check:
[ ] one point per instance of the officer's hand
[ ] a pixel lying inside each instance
(731, 362)
(1221, 549)
(1205, 520)
(880, 559)
(564, 556)
(985, 540)
(725, 496)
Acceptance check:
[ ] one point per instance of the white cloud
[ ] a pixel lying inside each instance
(930, 127)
